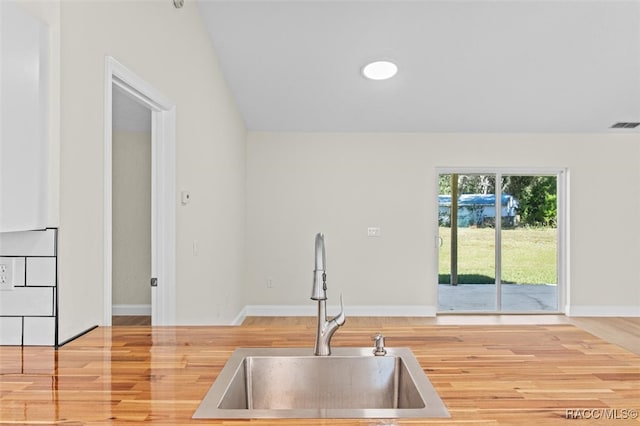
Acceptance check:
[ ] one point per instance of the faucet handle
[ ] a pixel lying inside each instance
(340, 318)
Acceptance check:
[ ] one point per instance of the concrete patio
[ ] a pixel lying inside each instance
(482, 297)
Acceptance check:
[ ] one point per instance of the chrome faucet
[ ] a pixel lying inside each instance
(326, 328)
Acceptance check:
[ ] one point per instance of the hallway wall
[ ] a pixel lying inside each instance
(210, 144)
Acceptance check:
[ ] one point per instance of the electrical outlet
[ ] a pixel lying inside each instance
(6, 273)
(269, 283)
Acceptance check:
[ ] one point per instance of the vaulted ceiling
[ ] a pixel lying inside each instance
(464, 65)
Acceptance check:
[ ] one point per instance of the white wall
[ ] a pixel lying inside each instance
(340, 184)
(171, 50)
(131, 218)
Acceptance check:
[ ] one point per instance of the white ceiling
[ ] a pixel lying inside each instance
(464, 66)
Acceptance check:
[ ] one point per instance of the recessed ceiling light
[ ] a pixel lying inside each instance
(380, 70)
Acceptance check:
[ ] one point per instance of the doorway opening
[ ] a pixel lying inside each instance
(501, 241)
(131, 211)
(159, 237)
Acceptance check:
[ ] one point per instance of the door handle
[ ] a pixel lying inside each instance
(154, 282)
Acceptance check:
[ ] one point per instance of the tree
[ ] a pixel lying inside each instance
(537, 198)
(536, 195)
(469, 184)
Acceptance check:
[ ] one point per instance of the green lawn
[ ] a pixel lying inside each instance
(528, 256)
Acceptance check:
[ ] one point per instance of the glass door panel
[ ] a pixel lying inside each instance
(529, 244)
(467, 253)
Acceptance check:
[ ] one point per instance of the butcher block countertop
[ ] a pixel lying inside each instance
(485, 374)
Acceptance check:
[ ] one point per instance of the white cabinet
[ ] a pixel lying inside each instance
(23, 120)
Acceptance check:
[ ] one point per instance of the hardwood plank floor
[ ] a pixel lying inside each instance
(486, 374)
(621, 331)
(624, 332)
(130, 320)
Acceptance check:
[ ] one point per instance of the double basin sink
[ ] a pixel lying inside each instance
(293, 383)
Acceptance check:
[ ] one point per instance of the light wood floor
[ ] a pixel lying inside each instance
(130, 320)
(496, 371)
(621, 331)
(624, 332)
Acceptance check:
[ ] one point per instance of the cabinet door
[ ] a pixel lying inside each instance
(23, 120)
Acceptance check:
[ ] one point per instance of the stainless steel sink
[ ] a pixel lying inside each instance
(293, 383)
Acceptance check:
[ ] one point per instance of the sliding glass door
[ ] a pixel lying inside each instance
(498, 242)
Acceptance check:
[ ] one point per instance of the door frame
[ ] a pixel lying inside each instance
(562, 257)
(163, 192)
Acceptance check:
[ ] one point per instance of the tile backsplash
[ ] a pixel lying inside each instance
(28, 298)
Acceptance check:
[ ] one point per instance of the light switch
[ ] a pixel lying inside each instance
(373, 232)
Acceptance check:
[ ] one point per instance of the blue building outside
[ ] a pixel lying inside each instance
(477, 210)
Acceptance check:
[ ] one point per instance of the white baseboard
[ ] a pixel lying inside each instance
(602, 311)
(355, 311)
(131, 310)
(240, 317)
